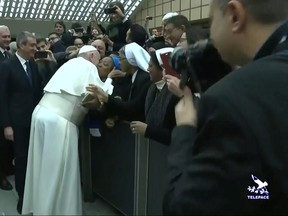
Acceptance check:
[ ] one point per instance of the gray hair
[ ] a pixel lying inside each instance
(3, 27)
(22, 38)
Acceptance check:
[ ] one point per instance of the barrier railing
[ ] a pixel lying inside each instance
(127, 171)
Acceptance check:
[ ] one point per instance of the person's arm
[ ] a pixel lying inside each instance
(132, 110)
(210, 167)
(146, 26)
(159, 134)
(5, 117)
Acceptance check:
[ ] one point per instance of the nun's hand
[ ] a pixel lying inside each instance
(116, 73)
(173, 84)
(98, 92)
(185, 111)
(92, 104)
(138, 127)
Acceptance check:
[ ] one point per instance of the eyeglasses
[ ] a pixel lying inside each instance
(169, 31)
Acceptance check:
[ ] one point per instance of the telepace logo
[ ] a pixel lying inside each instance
(260, 191)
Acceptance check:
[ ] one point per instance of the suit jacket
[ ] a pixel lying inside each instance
(17, 97)
(134, 109)
(242, 131)
(2, 58)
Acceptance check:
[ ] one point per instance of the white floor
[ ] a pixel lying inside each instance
(8, 203)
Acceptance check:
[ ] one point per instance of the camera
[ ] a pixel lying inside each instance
(200, 66)
(77, 30)
(41, 55)
(110, 10)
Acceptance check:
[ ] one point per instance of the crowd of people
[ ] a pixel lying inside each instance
(233, 137)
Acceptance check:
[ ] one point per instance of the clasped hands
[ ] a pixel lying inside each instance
(99, 97)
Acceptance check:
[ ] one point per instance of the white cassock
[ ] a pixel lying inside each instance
(53, 177)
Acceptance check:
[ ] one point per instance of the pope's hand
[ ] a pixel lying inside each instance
(185, 111)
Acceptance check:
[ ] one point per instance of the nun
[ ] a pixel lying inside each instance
(159, 104)
(134, 60)
(53, 177)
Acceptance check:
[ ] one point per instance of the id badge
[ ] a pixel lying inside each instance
(94, 128)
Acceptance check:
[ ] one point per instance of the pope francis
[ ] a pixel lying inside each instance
(52, 184)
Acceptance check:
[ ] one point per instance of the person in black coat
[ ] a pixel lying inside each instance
(20, 92)
(117, 29)
(159, 105)
(5, 147)
(231, 157)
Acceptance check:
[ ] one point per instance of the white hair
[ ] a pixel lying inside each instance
(3, 27)
(85, 55)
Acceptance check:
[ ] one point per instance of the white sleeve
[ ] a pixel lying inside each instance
(108, 87)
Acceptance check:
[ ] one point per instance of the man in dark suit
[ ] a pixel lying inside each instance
(5, 39)
(231, 158)
(20, 92)
(116, 31)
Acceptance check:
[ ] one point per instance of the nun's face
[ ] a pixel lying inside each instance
(105, 66)
(124, 63)
(155, 73)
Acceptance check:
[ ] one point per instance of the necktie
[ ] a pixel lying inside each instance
(29, 72)
(5, 55)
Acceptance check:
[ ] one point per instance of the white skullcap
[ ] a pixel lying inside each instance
(137, 56)
(87, 48)
(161, 51)
(169, 15)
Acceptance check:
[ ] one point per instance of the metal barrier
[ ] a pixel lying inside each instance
(127, 171)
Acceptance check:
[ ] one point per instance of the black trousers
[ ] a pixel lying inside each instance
(21, 146)
(6, 156)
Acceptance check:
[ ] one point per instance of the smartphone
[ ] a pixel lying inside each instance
(110, 10)
(41, 55)
(166, 65)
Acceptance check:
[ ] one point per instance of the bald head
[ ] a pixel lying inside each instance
(100, 46)
(5, 37)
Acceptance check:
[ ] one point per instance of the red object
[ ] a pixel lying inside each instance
(166, 65)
